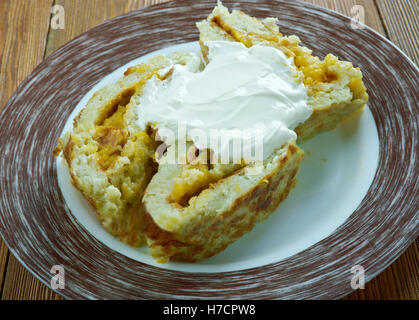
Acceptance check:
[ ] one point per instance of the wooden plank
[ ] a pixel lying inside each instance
(401, 21)
(23, 32)
(80, 16)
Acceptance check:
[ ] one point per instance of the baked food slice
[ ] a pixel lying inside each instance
(191, 216)
(111, 159)
(215, 214)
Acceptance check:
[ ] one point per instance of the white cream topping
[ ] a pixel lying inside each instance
(251, 94)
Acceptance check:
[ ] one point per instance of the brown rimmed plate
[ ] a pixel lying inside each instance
(35, 221)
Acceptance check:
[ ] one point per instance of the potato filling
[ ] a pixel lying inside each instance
(314, 70)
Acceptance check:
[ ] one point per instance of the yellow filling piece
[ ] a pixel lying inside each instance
(315, 71)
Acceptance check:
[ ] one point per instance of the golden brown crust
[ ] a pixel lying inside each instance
(209, 225)
(205, 237)
(319, 76)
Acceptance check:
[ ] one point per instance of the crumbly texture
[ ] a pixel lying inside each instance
(192, 211)
(220, 213)
(335, 88)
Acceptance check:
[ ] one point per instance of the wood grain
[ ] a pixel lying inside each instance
(24, 28)
(28, 45)
(4, 6)
(23, 33)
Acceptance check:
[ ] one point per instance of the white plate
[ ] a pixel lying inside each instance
(336, 174)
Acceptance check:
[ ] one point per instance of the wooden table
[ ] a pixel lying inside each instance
(26, 38)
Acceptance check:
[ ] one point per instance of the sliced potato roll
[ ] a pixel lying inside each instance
(335, 88)
(218, 214)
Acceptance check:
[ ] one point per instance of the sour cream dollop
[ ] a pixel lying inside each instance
(253, 95)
